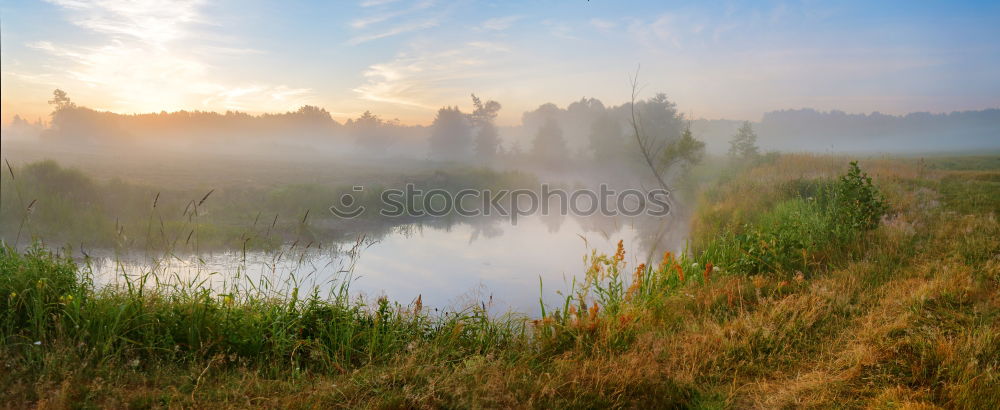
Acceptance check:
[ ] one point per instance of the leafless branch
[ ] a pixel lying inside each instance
(645, 142)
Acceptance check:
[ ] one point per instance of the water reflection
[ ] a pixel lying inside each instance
(451, 262)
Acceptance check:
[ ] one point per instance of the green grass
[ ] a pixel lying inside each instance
(896, 306)
(63, 206)
(48, 306)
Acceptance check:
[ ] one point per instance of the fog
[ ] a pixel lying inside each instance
(132, 188)
(552, 135)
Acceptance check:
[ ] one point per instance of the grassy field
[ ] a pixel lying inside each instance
(806, 284)
(67, 206)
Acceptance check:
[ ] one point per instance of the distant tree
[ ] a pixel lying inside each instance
(487, 138)
(487, 142)
(549, 145)
(685, 152)
(515, 150)
(607, 139)
(743, 145)
(577, 122)
(450, 134)
(536, 119)
(661, 136)
(82, 124)
(370, 133)
(658, 118)
(313, 113)
(660, 122)
(60, 100)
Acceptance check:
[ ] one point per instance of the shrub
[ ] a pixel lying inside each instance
(797, 231)
(855, 204)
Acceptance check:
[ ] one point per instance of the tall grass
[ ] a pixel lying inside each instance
(64, 206)
(805, 284)
(50, 304)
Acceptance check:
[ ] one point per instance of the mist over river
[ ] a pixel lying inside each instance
(492, 262)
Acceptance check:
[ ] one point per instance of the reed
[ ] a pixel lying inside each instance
(771, 305)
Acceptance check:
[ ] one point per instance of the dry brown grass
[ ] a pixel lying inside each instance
(912, 321)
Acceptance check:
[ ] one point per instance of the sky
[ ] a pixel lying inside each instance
(405, 59)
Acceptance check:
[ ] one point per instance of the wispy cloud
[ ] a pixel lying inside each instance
(500, 23)
(388, 22)
(662, 30)
(395, 30)
(425, 79)
(603, 25)
(150, 58)
(151, 22)
(560, 29)
(488, 45)
(373, 3)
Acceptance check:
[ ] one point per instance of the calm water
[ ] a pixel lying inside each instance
(451, 266)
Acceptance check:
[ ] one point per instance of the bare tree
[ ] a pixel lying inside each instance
(662, 152)
(649, 146)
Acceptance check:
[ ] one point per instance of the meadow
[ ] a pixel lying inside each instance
(808, 281)
(187, 207)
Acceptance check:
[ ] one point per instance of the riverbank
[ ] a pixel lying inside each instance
(805, 284)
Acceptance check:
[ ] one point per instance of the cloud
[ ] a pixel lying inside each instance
(488, 45)
(398, 21)
(150, 57)
(378, 18)
(559, 29)
(374, 3)
(424, 79)
(664, 29)
(499, 23)
(396, 30)
(603, 25)
(151, 22)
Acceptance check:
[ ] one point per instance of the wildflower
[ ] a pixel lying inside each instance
(639, 270)
(620, 253)
(593, 311)
(13, 295)
(38, 343)
(419, 304)
(694, 265)
(667, 257)
(708, 269)
(636, 280)
(680, 273)
(716, 269)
